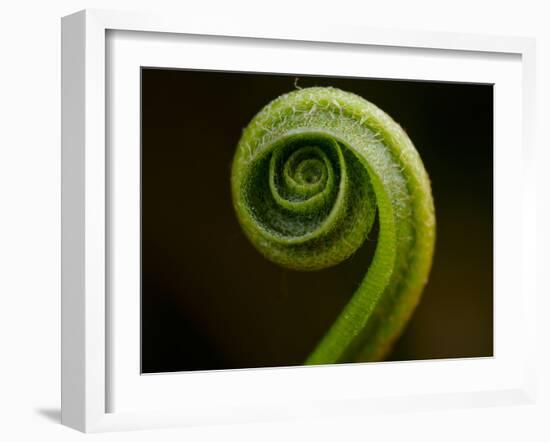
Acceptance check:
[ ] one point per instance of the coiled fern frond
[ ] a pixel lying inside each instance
(311, 173)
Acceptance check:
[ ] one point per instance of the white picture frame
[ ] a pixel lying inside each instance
(89, 357)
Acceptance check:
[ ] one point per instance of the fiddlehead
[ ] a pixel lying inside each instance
(310, 173)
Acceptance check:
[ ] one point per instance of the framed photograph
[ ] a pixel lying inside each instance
(265, 223)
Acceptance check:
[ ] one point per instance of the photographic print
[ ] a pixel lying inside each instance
(292, 219)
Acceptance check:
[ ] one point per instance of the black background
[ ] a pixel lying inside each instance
(211, 301)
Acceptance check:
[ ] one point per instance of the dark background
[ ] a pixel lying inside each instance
(211, 301)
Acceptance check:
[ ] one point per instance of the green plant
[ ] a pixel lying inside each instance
(310, 173)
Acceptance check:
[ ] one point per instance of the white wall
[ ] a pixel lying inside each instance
(30, 219)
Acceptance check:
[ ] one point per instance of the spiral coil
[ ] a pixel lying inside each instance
(310, 173)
